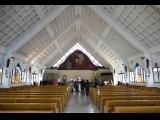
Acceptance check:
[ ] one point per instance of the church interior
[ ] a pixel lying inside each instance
(79, 58)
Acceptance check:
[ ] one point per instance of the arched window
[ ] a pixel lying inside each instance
(156, 74)
(24, 76)
(121, 77)
(131, 76)
(16, 76)
(1, 75)
(139, 74)
(35, 77)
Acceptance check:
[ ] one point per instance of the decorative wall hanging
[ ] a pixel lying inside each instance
(77, 61)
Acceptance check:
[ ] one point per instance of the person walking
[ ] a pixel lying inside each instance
(87, 87)
(76, 85)
(82, 83)
(71, 86)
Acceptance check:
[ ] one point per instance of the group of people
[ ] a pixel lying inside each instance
(108, 82)
(48, 82)
(82, 86)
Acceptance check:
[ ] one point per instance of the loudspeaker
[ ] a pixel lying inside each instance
(147, 63)
(8, 62)
(125, 67)
(156, 64)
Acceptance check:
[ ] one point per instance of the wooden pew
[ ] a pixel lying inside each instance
(111, 94)
(59, 93)
(33, 100)
(65, 96)
(103, 99)
(38, 90)
(108, 93)
(109, 105)
(41, 100)
(32, 107)
(137, 109)
(36, 96)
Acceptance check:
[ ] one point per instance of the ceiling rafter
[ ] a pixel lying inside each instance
(39, 11)
(154, 49)
(98, 51)
(120, 29)
(94, 52)
(86, 46)
(118, 11)
(101, 31)
(106, 31)
(101, 39)
(59, 48)
(107, 58)
(54, 59)
(116, 15)
(55, 41)
(35, 29)
(21, 57)
(78, 10)
(49, 30)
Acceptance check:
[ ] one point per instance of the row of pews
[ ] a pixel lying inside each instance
(126, 99)
(32, 99)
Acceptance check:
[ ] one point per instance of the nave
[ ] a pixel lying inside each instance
(80, 104)
(45, 49)
(59, 99)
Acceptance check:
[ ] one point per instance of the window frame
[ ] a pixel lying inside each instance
(1, 77)
(121, 77)
(13, 76)
(143, 76)
(158, 75)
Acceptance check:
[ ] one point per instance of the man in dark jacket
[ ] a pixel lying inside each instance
(82, 83)
(76, 83)
(87, 87)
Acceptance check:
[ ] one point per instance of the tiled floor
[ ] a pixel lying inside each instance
(80, 104)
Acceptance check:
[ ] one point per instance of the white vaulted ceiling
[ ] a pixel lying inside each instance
(136, 27)
(44, 38)
(143, 21)
(15, 20)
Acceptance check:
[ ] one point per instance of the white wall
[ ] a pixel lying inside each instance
(136, 59)
(1, 60)
(71, 74)
(2, 53)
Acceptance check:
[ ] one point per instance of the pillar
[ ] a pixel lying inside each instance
(149, 73)
(6, 78)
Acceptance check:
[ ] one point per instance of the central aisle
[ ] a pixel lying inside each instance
(80, 104)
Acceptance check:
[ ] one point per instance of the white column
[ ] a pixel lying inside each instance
(6, 78)
(126, 75)
(115, 76)
(28, 81)
(149, 81)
